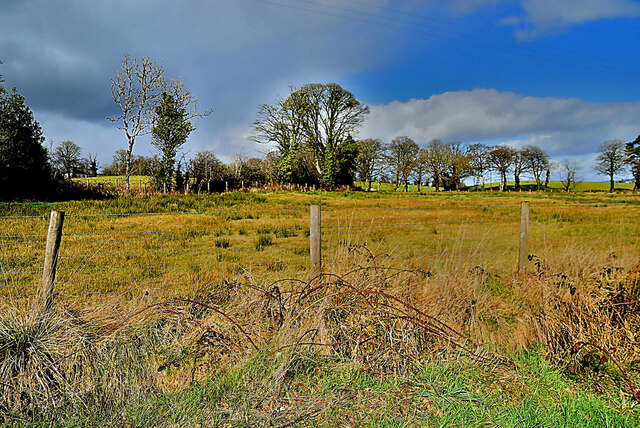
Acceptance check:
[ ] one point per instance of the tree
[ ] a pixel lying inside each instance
(436, 159)
(282, 124)
(24, 164)
(401, 159)
(501, 158)
(420, 167)
(457, 165)
(91, 162)
(331, 114)
(536, 162)
(478, 162)
(518, 165)
(67, 158)
(205, 167)
(136, 89)
(318, 116)
(370, 157)
(611, 160)
(170, 131)
(568, 171)
(632, 153)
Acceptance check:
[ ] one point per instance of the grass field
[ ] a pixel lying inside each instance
(421, 319)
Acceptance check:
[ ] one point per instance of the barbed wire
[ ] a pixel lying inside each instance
(325, 209)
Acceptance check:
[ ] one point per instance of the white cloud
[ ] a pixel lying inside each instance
(541, 16)
(562, 126)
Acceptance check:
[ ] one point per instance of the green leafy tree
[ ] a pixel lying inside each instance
(170, 132)
(24, 164)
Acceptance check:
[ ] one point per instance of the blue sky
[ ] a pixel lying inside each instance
(562, 74)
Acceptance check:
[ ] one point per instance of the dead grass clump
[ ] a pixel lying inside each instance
(38, 371)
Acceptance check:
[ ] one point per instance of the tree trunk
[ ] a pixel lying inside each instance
(128, 165)
(612, 185)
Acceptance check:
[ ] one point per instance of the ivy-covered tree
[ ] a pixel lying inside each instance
(170, 132)
(24, 165)
(319, 117)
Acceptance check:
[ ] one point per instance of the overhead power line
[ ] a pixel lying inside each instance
(443, 29)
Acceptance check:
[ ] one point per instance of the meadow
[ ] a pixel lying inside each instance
(201, 309)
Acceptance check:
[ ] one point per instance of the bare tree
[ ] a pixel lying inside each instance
(401, 159)
(568, 171)
(518, 165)
(370, 157)
(135, 89)
(67, 157)
(536, 162)
(479, 162)
(457, 163)
(436, 160)
(611, 160)
(501, 158)
(282, 124)
(420, 168)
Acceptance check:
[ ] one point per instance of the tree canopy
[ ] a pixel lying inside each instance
(24, 165)
(320, 117)
(170, 131)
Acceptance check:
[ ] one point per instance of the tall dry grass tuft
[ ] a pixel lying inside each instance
(37, 371)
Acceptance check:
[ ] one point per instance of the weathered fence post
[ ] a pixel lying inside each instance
(54, 235)
(315, 240)
(524, 236)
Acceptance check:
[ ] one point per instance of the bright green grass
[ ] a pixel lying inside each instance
(451, 392)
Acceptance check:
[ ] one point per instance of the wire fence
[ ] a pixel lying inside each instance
(138, 254)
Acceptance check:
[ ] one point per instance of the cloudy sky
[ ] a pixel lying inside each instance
(562, 74)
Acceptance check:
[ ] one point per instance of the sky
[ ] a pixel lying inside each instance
(560, 74)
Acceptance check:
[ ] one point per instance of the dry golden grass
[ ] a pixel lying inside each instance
(406, 277)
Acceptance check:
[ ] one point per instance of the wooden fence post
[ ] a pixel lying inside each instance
(54, 235)
(315, 240)
(524, 236)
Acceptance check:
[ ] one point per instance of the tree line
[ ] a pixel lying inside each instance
(309, 135)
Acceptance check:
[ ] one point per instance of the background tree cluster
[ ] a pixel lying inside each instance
(446, 166)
